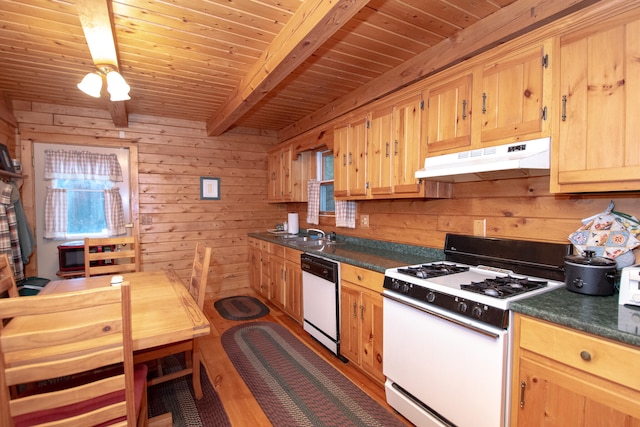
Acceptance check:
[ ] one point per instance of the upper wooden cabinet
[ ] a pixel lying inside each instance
(350, 159)
(596, 126)
(409, 148)
(279, 169)
(381, 151)
(513, 96)
(288, 175)
(447, 117)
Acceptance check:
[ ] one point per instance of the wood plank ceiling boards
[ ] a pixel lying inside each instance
(278, 65)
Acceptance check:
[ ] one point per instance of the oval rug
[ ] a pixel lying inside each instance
(241, 308)
(296, 387)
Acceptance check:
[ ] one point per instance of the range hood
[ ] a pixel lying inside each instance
(515, 160)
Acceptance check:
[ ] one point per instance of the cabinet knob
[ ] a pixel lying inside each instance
(360, 277)
(585, 355)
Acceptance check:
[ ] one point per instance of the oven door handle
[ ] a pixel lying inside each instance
(443, 317)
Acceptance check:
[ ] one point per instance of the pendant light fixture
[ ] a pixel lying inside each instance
(117, 87)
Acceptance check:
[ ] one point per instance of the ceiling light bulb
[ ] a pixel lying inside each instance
(117, 87)
(91, 84)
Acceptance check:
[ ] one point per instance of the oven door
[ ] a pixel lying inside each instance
(441, 369)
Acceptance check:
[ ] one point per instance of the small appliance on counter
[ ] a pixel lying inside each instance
(589, 274)
(630, 286)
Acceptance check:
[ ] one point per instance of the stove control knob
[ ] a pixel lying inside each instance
(477, 312)
(405, 287)
(431, 297)
(462, 306)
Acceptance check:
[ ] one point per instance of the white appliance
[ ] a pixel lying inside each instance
(515, 160)
(321, 300)
(446, 328)
(630, 286)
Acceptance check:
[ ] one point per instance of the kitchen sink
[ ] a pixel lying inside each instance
(306, 242)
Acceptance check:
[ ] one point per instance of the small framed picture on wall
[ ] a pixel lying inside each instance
(5, 159)
(209, 188)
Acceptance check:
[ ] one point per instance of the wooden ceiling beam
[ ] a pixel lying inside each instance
(505, 24)
(309, 27)
(97, 23)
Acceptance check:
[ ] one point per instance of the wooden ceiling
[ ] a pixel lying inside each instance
(263, 64)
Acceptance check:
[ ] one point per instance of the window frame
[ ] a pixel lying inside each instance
(320, 169)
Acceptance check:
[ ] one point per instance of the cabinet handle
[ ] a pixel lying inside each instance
(484, 102)
(344, 160)
(395, 149)
(362, 312)
(350, 158)
(585, 355)
(523, 386)
(359, 277)
(355, 310)
(386, 147)
(564, 108)
(464, 109)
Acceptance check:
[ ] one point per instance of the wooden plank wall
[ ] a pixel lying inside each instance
(517, 208)
(172, 156)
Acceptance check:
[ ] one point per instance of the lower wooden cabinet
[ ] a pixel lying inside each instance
(285, 280)
(259, 266)
(361, 319)
(563, 377)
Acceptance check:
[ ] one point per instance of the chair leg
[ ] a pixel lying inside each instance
(195, 374)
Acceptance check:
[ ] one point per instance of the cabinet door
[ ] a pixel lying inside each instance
(371, 334)
(293, 297)
(273, 189)
(380, 151)
(340, 161)
(254, 267)
(549, 397)
(286, 178)
(278, 281)
(512, 97)
(597, 145)
(357, 158)
(409, 149)
(350, 323)
(447, 117)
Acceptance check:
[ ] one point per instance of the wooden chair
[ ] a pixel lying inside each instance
(7, 279)
(79, 355)
(120, 260)
(197, 288)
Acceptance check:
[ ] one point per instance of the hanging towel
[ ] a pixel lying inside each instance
(313, 206)
(346, 213)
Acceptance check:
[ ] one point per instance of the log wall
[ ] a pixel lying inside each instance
(172, 156)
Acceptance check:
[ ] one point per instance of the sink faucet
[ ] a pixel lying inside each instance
(320, 232)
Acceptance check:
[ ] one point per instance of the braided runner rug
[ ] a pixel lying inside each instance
(293, 385)
(241, 308)
(176, 396)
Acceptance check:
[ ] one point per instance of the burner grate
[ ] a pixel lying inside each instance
(437, 269)
(504, 287)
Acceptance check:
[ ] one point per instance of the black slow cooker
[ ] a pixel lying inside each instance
(589, 274)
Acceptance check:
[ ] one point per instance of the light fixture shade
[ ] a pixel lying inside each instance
(91, 84)
(117, 87)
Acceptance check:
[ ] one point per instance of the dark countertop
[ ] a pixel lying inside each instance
(371, 254)
(597, 315)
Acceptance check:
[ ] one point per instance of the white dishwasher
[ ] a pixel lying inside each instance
(321, 300)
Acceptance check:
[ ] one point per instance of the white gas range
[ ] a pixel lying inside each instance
(446, 328)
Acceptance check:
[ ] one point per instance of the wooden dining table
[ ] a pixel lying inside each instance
(162, 310)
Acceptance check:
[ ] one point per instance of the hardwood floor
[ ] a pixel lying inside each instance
(241, 407)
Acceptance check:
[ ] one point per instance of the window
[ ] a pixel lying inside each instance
(82, 199)
(85, 207)
(325, 176)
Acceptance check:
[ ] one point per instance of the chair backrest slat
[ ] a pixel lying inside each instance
(199, 274)
(122, 256)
